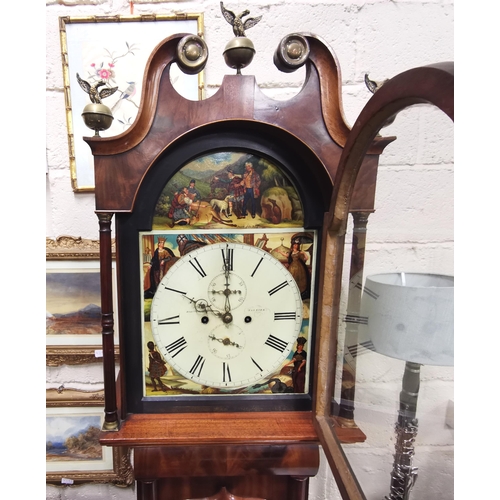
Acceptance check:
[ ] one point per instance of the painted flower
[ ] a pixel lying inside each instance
(104, 74)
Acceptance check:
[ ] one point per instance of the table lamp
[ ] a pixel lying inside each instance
(409, 317)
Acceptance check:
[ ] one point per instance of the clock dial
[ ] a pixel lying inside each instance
(226, 315)
(219, 295)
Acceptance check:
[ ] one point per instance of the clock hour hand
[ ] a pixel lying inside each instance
(225, 341)
(225, 292)
(201, 305)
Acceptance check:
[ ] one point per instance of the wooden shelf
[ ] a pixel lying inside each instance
(221, 428)
(213, 428)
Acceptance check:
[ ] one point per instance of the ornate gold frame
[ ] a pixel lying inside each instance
(63, 21)
(69, 397)
(122, 472)
(73, 248)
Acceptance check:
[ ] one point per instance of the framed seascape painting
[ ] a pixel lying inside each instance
(114, 50)
(73, 452)
(73, 303)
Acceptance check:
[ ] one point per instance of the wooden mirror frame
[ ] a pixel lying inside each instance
(433, 84)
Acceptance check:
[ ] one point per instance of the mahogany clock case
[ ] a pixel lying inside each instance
(314, 186)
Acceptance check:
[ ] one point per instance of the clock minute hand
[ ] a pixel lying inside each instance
(227, 292)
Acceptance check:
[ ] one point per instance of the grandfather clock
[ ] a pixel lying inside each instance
(230, 215)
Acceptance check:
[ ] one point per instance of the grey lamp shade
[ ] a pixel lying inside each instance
(410, 316)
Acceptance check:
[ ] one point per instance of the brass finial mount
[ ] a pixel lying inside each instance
(239, 53)
(292, 53)
(192, 54)
(97, 117)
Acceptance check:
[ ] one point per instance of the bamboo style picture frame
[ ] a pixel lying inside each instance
(115, 50)
(70, 259)
(74, 417)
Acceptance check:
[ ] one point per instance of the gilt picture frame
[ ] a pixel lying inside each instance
(73, 319)
(115, 50)
(73, 453)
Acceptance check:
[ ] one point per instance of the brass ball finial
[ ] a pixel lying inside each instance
(192, 51)
(294, 50)
(239, 53)
(97, 117)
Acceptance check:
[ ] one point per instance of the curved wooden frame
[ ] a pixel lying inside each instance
(433, 85)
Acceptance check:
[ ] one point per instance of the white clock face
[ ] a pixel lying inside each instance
(226, 315)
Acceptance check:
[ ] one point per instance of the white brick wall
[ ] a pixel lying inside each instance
(414, 218)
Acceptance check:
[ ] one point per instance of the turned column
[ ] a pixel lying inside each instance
(108, 347)
(351, 346)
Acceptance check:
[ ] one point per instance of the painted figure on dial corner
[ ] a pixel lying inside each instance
(157, 368)
(297, 259)
(299, 366)
(163, 259)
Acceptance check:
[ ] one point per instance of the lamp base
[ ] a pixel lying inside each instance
(404, 475)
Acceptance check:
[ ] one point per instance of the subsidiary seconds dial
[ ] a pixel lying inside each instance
(226, 315)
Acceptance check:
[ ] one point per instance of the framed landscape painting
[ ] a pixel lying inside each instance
(73, 302)
(73, 452)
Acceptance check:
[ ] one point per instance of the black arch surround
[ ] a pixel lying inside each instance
(296, 160)
(277, 145)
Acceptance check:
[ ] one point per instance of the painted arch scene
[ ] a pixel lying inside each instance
(228, 190)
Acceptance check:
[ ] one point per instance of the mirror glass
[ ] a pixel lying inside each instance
(395, 375)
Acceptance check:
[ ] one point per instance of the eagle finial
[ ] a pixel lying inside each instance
(372, 85)
(236, 21)
(93, 90)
